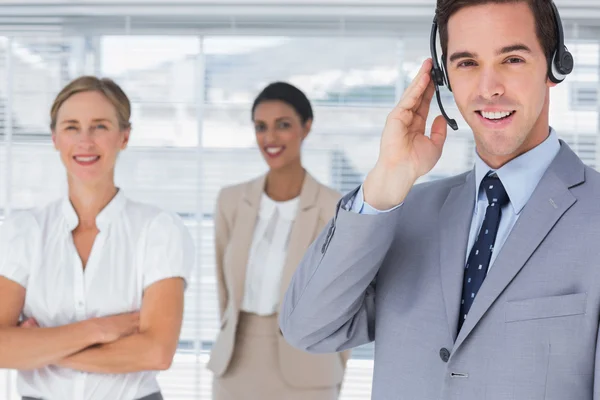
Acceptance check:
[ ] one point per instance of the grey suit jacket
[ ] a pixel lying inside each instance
(396, 278)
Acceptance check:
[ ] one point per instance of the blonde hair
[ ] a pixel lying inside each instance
(106, 86)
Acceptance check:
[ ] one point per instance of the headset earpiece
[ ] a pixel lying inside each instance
(438, 74)
(562, 62)
(445, 70)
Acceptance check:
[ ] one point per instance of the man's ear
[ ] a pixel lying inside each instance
(549, 83)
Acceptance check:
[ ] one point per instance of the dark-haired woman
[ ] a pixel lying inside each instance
(262, 229)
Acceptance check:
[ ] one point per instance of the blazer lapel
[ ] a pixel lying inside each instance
(455, 220)
(243, 232)
(303, 230)
(550, 200)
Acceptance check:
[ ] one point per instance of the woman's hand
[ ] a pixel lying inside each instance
(29, 323)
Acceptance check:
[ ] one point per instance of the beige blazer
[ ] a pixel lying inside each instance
(235, 219)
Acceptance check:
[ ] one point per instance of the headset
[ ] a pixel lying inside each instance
(559, 66)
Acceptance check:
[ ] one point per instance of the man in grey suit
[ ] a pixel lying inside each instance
(483, 286)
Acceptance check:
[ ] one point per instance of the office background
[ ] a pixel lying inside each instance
(192, 69)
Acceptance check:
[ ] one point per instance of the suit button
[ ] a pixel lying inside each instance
(444, 354)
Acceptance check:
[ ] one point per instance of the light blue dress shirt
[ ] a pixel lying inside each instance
(519, 176)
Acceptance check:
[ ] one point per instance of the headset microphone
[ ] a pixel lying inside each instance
(438, 76)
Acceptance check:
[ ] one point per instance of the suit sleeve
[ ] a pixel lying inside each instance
(221, 239)
(360, 206)
(597, 368)
(330, 303)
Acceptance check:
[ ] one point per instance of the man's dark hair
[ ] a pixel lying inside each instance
(543, 14)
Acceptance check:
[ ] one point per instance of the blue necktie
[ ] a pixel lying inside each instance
(481, 253)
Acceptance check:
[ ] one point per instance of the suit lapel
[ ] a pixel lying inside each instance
(550, 200)
(455, 217)
(243, 232)
(303, 231)
(301, 235)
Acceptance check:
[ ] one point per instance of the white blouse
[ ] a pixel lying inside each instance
(267, 255)
(137, 246)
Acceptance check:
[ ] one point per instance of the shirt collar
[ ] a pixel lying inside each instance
(286, 209)
(110, 212)
(521, 175)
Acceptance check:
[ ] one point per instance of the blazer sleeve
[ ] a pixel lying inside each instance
(222, 234)
(330, 304)
(328, 212)
(597, 368)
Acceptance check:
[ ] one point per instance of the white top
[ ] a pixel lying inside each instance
(137, 246)
(267, 255)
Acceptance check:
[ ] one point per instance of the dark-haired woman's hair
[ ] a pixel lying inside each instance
(289, 94)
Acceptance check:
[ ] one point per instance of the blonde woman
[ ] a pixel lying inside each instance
(263, 228)
(98, 278)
